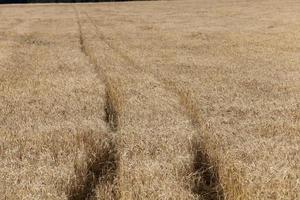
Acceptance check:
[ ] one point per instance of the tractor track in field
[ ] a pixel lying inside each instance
(110, 109)
(204, 168)
(111, 45)
(102, 169)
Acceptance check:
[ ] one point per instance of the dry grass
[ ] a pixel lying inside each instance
(150, 100)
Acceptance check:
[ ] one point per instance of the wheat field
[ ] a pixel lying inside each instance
(193, 99)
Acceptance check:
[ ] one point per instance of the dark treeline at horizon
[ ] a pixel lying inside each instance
(52, 1)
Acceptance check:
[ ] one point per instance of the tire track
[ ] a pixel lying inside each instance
(110, 44)
(207, 182)
(113, 104)
(102, 164)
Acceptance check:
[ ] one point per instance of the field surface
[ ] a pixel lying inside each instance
(193, 99)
